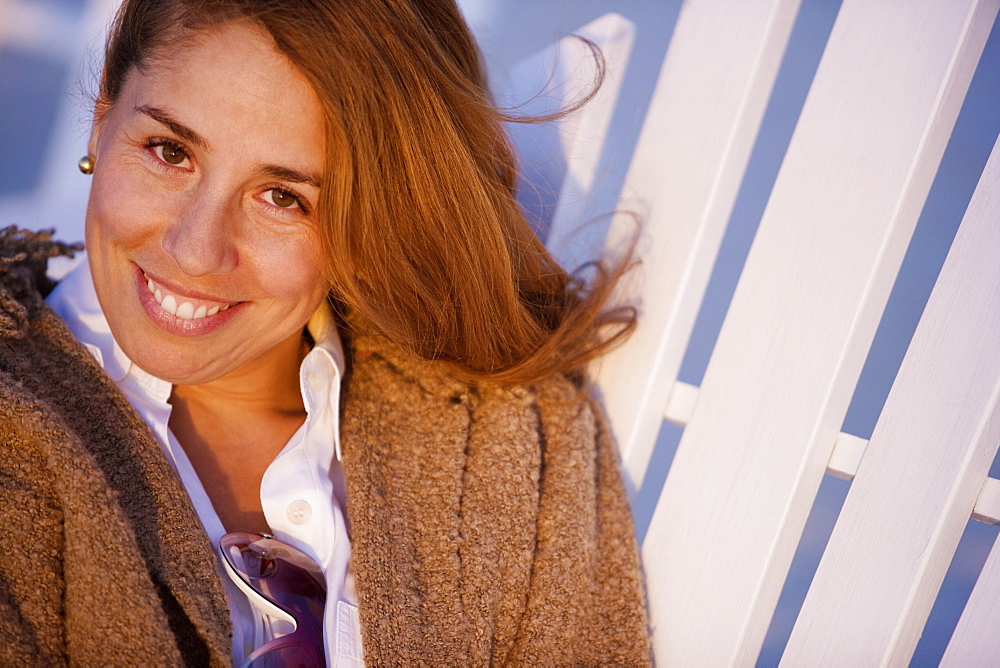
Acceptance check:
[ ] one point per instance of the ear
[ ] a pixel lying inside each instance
(95, 133)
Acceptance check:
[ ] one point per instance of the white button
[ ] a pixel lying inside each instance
(315, 381)
(299, 511)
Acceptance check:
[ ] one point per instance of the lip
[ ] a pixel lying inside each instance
(171, 323)
(182, 291)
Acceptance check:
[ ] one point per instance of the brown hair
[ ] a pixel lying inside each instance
(425, 241)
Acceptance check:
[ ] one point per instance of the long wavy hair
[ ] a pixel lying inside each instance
(425, 242)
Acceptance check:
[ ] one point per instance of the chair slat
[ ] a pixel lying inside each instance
(988, 504)
(582, 134)
(976, 641)
(848, 451)
(841, 214)
(554, 78)
(684, 177)
(925, 465)
(681, 404)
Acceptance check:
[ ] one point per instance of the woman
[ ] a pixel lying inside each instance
(311, 309)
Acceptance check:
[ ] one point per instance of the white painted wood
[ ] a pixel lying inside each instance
(583, 134)
(976, 640)
(553, 79)
(680, 406)
(929, 455)
(683, 180)
(846, 457)
(841, 214)
(987, 507)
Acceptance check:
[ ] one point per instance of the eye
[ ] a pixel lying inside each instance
(282, 198)
(170, 153)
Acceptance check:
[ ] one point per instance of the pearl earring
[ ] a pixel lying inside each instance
(86, 164)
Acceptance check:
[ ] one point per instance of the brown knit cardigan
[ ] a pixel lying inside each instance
(489, 525)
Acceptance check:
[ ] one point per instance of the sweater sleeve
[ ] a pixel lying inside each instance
(490, 525)
(104, 560)
(586, 603)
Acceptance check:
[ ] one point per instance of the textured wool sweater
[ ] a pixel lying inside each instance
(489, 525)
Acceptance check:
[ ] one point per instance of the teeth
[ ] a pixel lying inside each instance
(185, 310)
(169, 304)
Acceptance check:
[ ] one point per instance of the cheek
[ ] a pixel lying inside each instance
(295, 271)
(122, 209)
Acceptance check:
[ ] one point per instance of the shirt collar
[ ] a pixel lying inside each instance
(75, 301)
(322, 369)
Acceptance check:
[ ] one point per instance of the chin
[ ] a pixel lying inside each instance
(176, 368)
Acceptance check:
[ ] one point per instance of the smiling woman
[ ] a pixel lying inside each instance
(187, 202)
(312, 310)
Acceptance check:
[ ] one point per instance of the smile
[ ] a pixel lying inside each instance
(184, 307)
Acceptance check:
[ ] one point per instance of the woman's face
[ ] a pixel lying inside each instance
(201, 232)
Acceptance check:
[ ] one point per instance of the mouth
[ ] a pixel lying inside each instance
(184, 307)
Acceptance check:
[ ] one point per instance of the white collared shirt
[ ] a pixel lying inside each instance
(302, 492)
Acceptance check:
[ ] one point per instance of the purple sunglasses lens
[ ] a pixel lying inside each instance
(292, 581)
(285, 654)
(283, 574)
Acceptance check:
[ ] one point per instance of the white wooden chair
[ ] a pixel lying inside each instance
(763, 427)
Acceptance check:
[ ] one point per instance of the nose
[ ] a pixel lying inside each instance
(202, 237)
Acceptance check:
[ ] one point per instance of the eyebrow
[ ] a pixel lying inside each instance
(192, 137)
(286, 174)
(179, 129)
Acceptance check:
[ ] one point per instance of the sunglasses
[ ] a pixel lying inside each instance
(289, 589)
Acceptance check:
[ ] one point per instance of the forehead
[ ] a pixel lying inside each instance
(229, 83)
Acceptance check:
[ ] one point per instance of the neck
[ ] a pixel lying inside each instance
(232, 429)
(267, 386)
